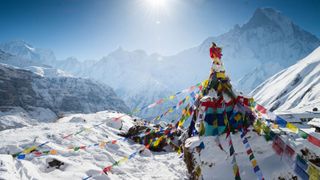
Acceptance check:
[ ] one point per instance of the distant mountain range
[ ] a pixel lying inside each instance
(266, 44)
(42, 94)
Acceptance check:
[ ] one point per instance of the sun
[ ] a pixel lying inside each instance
(156, 10)
(157, 4)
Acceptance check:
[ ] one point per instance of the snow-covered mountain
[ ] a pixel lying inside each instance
(296, 87)
(33, 96)
(10, 59)
(35, 66)
(24, 50)
(252, 52)
(263, 46)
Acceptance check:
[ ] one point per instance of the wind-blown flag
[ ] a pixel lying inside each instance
(261, 109)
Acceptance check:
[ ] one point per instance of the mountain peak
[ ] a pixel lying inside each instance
(23, 49)
(270, 17)
(17, 44)
(267, 11)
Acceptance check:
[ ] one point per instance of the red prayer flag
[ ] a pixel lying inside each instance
(37, 153)
(107, 169)
(261, 109)
(246, 101)
(314, 140)
(159, 101)
(200, 87)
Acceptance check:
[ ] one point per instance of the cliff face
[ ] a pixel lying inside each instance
(51, 96)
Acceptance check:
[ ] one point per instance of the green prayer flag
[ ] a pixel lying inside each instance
(303, 134)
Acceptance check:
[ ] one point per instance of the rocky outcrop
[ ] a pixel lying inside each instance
(60, 95)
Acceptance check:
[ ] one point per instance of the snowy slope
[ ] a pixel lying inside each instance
(146, 165)
(296, 87)
(44, 98)
(91, 161)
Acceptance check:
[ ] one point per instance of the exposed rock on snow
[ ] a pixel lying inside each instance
(46, 98)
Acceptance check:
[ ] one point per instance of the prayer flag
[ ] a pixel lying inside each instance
(314, 140)
(292, 127)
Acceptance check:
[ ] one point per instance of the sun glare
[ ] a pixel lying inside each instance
(157, 10)
(157, 4)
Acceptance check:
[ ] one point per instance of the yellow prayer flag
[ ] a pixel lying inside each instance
(170, 110)
(292, 127)
(235, 169)
(156, 143)
(28, 150)
(172, 97)
(314, 173)
(237, 117)
(275, 126)
(123, 160)
(179, 150)
(205, 83)
(225, 121)
(254, 163)
(188, 113)
(219, 87)
(221, 75)
(198, 171)
(187, 98)
(181, 123)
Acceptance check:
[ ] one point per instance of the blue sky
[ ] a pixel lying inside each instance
(90, 29)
